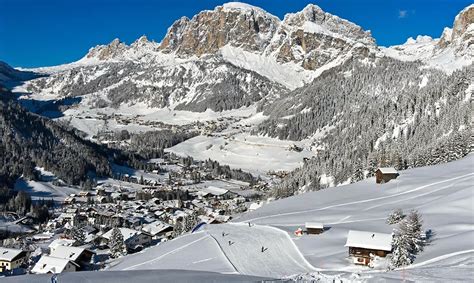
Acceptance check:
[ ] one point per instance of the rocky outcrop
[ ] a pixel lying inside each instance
(242, 26)
(310, 38)
(313, 38)
(461, 36)
(109, 51)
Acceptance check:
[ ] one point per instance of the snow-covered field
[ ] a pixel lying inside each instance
(44, 190)
(443, 194)
(255, 154)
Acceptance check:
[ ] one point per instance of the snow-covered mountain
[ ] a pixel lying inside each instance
(288, 53)
(310, 77)
(454, 49)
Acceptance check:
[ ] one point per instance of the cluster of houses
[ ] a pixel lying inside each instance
(144, 217)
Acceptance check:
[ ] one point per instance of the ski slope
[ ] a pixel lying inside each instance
(443, 194)
(196, 251)
(242, 244)
(209, 250)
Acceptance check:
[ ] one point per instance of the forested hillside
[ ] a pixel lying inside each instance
(29, 140)
(391, 113)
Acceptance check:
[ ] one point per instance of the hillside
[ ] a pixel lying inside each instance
(442, 194)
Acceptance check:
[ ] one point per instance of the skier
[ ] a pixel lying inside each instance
(249, 224)
(223, 234)
(263, 249)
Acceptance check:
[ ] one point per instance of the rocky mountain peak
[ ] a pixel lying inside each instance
(310, 38)
(461, 35)
(109, 51)
(237, 24)
(313, 19)
(141, 42)
(463, 22)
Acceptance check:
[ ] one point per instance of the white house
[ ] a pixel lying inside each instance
(11, 258)
(48, 264)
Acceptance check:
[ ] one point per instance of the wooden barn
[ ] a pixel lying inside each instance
(314, 227)
(362, 244)
(383, 175)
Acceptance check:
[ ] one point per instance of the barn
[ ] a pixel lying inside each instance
(362, 244)
(385, 174)
(314, 227)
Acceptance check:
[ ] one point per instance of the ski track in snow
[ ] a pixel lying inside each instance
(282, 257)
(437, 259)
(166, 254)
(416, 196)
(358, 202)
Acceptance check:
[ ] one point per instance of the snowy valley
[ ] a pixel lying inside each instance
(243, 147)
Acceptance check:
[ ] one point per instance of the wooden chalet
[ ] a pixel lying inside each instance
(314, 228)
(362, 244)
(383, 175)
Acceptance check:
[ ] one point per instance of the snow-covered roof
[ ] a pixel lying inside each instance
(214, 191)
(69, 253)
(47, 264)
(314, 225)
(369, 240)
(126, 233)
(9, 254)
(388, 170)
(61, 242)
(255, 205)
(155, 227)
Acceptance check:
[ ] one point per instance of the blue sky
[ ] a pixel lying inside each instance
(50, 32)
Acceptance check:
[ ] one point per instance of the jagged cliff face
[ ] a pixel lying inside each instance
(111, 50)
(313, 38)
(310, 38)
(461, 36)
(247, 27)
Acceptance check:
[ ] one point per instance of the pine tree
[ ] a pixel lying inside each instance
(414, 231)
(116, 244)
(401, 244)
(395, 217)
(78, 235)
(178, 228)
(358, 172)
(407, 240)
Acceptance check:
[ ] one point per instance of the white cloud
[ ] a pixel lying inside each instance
(402, 14)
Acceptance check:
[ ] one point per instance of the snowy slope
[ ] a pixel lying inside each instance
(443, 194)
(191, 252)
(209, 250)
(255, 154)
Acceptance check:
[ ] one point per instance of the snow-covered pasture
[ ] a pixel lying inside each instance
(255, 154)
(443, 194)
